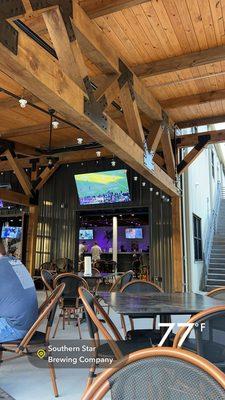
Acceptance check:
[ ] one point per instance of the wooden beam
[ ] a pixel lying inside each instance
(194, 99)
(98, 8)
(177, 245)
(67, 55)
(132, 116)
(14, 197)
(177, 63)
(44, 78)
(201, 121)
(191, 156)
(32, 238)
(159, 160)
(94, 45)
(46, 175)
(191, 140)
(20, 173)
(168, 153)
(154, 136)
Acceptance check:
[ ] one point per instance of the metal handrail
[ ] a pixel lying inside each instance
(212, 228)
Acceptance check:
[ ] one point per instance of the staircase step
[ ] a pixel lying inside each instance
(219, 282)
(216, 276)
(216, 271)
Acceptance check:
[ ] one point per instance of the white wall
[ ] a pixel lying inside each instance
(199, 193)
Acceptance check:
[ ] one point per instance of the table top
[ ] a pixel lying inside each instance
(101, 275)
(158, 303)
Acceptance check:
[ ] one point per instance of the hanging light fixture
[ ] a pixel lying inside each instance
(22, 102)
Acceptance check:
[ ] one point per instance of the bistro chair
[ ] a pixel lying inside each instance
(218, 293)
(34, 338)
(93, 283)
(143, 287)
(209, 336)
(120, 282)
(159, 374)
(70, 303)
(47, 279)
(115, 346)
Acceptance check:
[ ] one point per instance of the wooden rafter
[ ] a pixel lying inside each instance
(98, 8)
(193, 99)
(132, 116)
(14, 197)
(20, 173)
(45, 79)
(154, 136)
(168, 153)
(191, 140)
(201, 121)
(46, 175)
(192, 155)
(173, 64)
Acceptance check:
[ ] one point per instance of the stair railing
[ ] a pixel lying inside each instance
(212, 228)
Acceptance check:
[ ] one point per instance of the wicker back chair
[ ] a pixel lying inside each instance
(33, 338)
(218, 293)
(47, 279)
(159, 374)
(209, 336)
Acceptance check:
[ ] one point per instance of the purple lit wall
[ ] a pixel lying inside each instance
(103, 235)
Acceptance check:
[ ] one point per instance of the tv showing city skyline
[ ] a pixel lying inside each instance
(105, 187)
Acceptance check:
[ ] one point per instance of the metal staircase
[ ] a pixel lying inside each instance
(216, 268)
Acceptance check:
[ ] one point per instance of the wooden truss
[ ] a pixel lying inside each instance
(64, 85)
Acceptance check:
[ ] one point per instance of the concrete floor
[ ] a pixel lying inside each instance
(24, 381)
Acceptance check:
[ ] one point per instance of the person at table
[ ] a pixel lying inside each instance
(96, 252)
(18, 298)
(82, 250)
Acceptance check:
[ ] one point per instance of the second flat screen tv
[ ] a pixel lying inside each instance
(86, 234)
(133, 233)
(104, 187)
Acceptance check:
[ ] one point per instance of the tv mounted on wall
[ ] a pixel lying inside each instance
(133, 233)
(86, 234)
(105, 187)
(11, 232)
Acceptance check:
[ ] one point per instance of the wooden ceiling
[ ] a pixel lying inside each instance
(153, 36)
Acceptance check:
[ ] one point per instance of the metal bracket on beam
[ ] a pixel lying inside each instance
(66, 8)
(148, 158)
(8, 34)
(94, 109)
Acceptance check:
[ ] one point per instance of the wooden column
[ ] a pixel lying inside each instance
(32, 238)
(32, 227)
(177, 245)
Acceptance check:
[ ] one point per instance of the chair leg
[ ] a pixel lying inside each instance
(53, 379)
(123, 324)
(108, 310)
(78, 326)
(91, 377)
(131, 324)
(64, 318)
(56, 328)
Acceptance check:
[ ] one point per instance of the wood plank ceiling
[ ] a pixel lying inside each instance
(147, 32)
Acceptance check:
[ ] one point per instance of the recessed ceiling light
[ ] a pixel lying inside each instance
(80, 140)
(98, 153)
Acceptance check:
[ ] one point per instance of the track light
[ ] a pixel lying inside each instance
(135, 178)
(80, 140)
(98, 153)
(23, 103)
(113, 163)
(157, 193)
(143, 184)
(55, 124)
(151, 189)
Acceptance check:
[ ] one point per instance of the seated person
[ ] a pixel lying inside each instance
(18, 299)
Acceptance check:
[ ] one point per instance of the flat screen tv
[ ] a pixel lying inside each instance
(86, 234)
(103, 187)
(133, 233)
(11, 232)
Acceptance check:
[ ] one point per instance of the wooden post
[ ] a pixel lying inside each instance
(32, 238)
(177, 245)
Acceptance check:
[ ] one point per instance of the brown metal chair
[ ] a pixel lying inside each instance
(28, 345)
(93, 283)
(218, 293)
(70, 303)
(209, 336)
(115, 346)
(47, 278)
(121, 281)
(136, 287)
(159, 374)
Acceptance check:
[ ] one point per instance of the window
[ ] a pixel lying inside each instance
(197, 238)
(213, 164)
